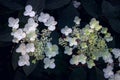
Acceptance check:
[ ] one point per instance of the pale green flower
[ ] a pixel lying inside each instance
(49, 63)
(72, 41)
(68, 50)
(75, 59)
(51, 50)
(24, 60)
(77, 20)
(90, 63)
(66, 30)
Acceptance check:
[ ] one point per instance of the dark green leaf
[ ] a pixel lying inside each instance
(15, 58)
(19, 75)
(5, 44)
(6, 37)
(5, 34)
(67, 16)
(109, 10)
(54, 4)
(29, 69)
(91, 7)
(78, 74)
(112, 13)
(96, 74)
(112, 44)
(38, 5)
(11, 4)
(115, 24)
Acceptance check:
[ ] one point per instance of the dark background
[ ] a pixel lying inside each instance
(106, 11)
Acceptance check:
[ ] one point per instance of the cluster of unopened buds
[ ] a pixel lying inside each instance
(83, 45)
(31, 42)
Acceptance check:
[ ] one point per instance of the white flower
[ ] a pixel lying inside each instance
(51, 23)
(15, 40)
(32, 36)
(30, 47)
(76, 4)
(108, 71)
(117, 76)
(43, 17)
(30, 26)
(90, 63)
(72, 41)
(94, 23)
(119, 60)
(66, 30)
(108, 58)
(116, 52)
(108, 39)
(75, 59)
(48, 21)
(82, 58)
(18, 34)
(49, 63)
(68, 50)
(24, 60)
(14, 23)
(51, 50)
(28, 11)
(21, 49)
(51, 28)
(77, 20)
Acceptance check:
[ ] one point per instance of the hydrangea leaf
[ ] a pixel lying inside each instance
(11, 4)
(15, 58)
(91, 7)
(55, 37)
(112, 44)
(29, 69)
(112, 13)
(54, 4)
(38, 5)
(96, 74)
(7, 35)
(66, 16)
(5, 44)
(115, 24)
(19, 75)
(78, 74)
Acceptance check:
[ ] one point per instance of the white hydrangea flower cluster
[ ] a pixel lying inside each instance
(30, 44)
(86, 45)
(83, 45)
